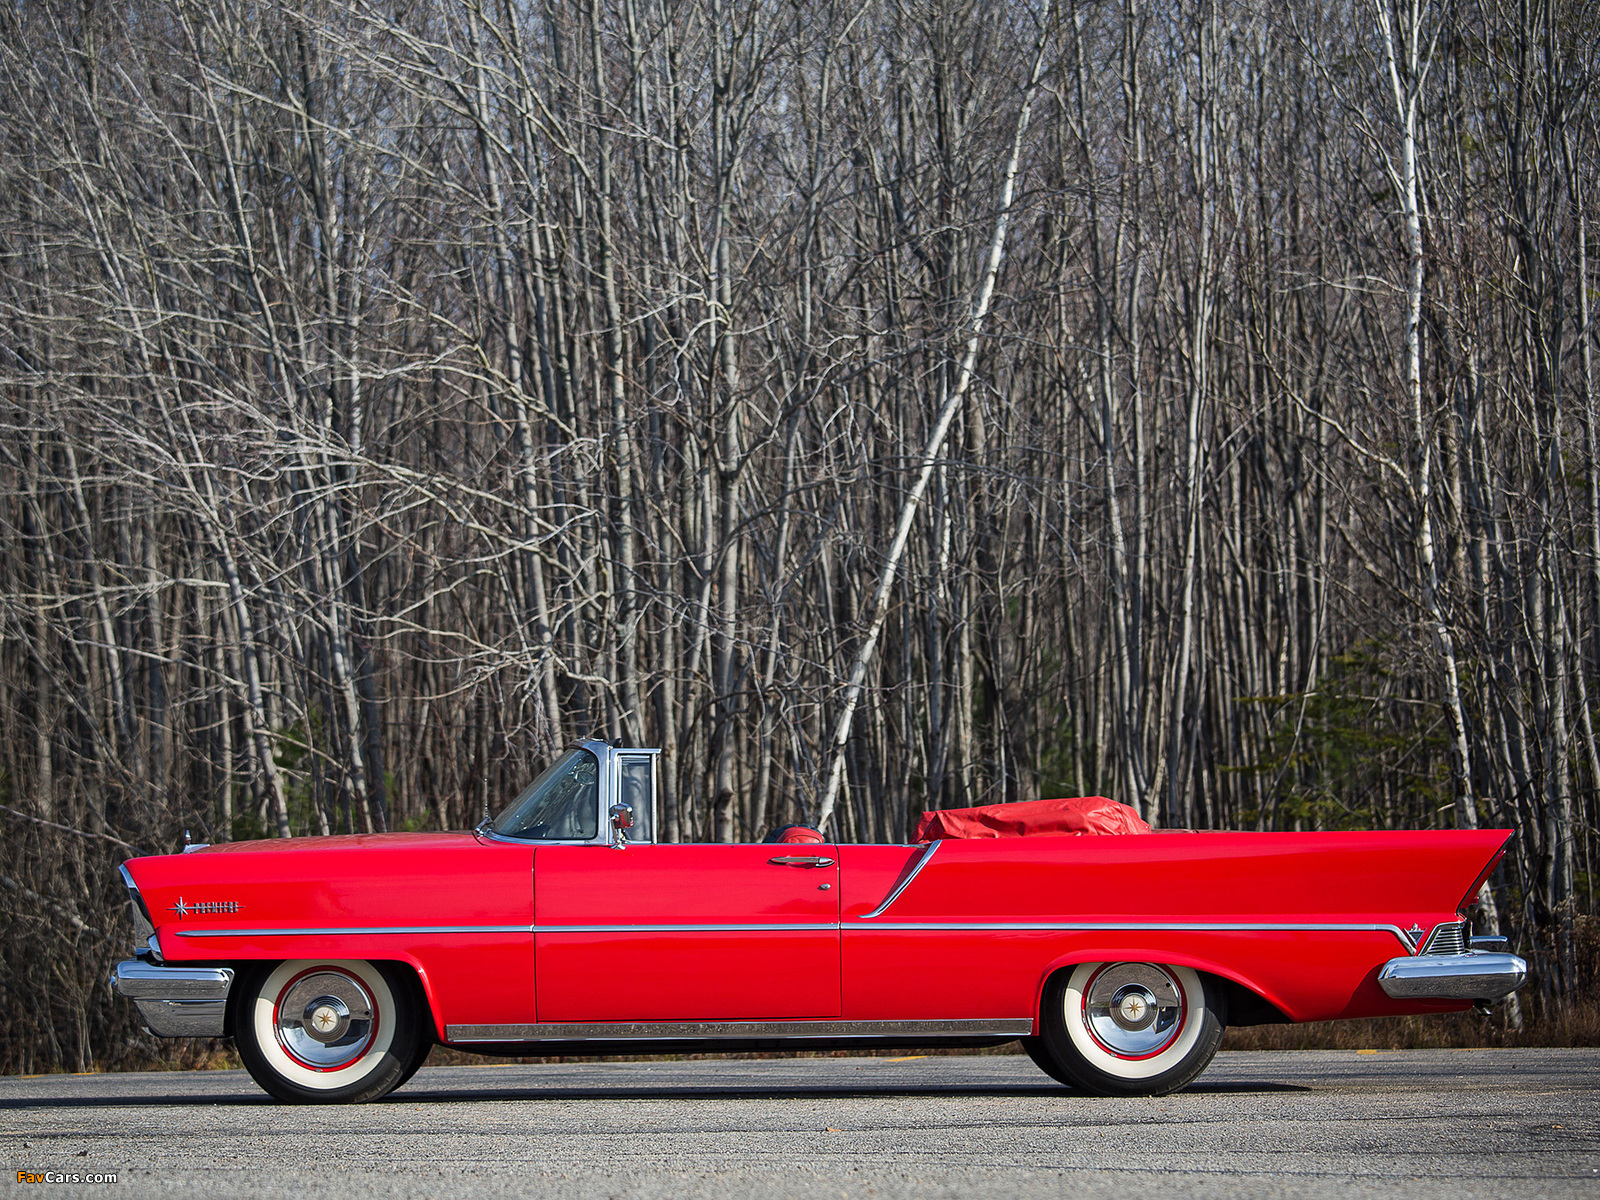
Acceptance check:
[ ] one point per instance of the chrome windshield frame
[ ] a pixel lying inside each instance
(606, 795)
(611, 777)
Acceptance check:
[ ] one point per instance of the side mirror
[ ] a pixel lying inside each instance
(621, 822)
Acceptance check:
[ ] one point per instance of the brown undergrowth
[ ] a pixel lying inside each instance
(1578, 1026)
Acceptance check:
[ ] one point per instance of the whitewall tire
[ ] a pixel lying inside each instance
(328, 1031)
(1130, 1029)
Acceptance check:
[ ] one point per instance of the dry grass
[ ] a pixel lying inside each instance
(180, 1054)
(1578, 1026)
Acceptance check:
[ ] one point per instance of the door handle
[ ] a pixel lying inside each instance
(800, 860)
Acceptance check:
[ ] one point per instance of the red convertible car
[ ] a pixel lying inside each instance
(561, 927)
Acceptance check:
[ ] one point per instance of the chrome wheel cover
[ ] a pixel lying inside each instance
(325, 1019)
(1134, 1010)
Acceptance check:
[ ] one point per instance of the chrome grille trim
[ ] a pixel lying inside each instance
(144, 930)
(1448, 937)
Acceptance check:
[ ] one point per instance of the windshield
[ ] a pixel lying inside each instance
(563, 804)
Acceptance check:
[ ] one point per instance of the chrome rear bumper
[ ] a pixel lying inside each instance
(176, 1001)
(1475, 975)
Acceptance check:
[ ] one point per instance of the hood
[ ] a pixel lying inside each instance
(367, 881)
(337, 842)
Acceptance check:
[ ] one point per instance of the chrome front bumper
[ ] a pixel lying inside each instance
(176, 1001)
(1473, 975)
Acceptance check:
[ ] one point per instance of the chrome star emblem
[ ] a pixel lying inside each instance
(204, 907)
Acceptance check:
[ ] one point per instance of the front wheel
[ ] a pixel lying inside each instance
(1035, 1049)
(315, 1031)
(1131, 1029)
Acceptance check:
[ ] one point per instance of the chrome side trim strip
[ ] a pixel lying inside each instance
(927, 855)
(339, 931)
(831, 927)
(731, 927)
(672, 1031)
(1136, 926)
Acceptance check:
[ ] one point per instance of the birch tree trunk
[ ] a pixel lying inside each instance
(941, 427)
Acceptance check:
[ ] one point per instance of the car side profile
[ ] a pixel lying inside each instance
(563, 927)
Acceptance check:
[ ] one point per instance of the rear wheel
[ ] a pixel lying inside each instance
(318, 1031)
(1131, 1029)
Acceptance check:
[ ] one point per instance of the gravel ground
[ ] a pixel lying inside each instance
(1417, 1124)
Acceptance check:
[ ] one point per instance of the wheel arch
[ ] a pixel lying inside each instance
(1249, 1003)
(414, 969)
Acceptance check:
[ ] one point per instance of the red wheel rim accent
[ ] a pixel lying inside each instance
(1088, 1025)
(277, 1030)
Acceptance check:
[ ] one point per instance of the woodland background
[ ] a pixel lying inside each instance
(879, 405)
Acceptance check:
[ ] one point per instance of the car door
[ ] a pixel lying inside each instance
(686, 932)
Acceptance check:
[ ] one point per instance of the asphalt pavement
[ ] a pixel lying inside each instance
(1415, 1124)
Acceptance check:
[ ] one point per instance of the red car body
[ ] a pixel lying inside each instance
(520, 944)
(520, 935)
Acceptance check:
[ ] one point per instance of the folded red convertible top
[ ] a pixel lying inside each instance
(1031, 818)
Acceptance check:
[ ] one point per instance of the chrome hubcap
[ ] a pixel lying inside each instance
(1134, 1010)
(326, 1019)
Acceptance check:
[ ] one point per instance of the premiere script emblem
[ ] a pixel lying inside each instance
(205, 906)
